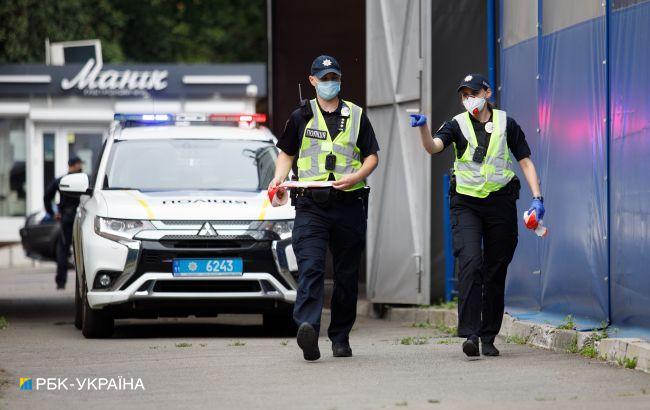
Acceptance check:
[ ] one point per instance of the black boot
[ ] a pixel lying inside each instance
(470, 346)
(308, 341)
(341, 349)
(488, 349)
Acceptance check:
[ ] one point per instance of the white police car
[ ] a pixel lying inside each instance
(175, 221)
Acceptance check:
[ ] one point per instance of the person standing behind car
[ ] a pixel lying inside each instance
(66, 210)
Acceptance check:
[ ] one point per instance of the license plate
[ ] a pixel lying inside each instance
(208, 267)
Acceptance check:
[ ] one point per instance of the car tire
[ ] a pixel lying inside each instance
(95, 324)
(280, 322)
(78, 307)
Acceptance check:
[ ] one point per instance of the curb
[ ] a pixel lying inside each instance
(627, 352)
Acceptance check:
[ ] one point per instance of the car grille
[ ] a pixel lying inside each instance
(158, 256)
(206, 286)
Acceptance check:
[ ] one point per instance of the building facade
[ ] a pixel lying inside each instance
(49, 113)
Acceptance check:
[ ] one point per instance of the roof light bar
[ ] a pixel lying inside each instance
(143, 119)
(257, 118)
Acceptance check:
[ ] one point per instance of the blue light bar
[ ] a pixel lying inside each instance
(144, 118)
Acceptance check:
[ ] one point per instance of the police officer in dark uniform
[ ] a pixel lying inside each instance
(66, 210)
(483, 206)
(327, 139)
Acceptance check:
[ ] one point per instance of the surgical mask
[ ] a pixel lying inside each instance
(474, 104)
(327, 90)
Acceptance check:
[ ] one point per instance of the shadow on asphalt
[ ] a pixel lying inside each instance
(187, 330)
(60, 312)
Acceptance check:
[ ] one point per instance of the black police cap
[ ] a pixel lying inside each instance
(474, 82)
(324, 65)
(74, 160)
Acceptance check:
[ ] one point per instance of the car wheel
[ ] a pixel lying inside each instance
(78, 306)
(95, 324)
(280, 322)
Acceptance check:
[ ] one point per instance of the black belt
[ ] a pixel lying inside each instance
(326, 195)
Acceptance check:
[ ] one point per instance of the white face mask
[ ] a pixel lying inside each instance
(474, 105)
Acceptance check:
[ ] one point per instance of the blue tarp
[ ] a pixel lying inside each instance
(594, 263)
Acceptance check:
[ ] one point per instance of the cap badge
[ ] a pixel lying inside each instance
(489, 127)
(345, 111)
(468, 78)
(327, 62)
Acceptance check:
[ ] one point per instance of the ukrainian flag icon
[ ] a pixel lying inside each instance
(25, 383)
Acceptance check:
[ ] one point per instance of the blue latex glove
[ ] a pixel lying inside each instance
(418, 120)
(538, 206)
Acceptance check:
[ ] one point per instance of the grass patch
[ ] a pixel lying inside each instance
(433, 401)
(568, 323)
(630, 363)
(573, 345)
(414, 340)
(237, 343)
(450, 330)
(203, 344)
(516, 339)
(589, 350)
(284, 342)
(441, 327)
(402, 403)
(451, 305)
(183, 344)
(3, 323)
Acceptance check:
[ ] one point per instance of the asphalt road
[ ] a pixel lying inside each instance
(228, 363)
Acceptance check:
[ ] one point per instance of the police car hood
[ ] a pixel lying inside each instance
(192, 205)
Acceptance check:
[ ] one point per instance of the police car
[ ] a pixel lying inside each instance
(176, 221)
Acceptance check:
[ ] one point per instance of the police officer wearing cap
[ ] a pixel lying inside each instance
(483, 205)
(66, 210)
(327, 139)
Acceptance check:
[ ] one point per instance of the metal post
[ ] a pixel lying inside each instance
(491, 42)
(450, 280)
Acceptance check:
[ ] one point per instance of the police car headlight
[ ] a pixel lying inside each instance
(117, 229)
(281, 228)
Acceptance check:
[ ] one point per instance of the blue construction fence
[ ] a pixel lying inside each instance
(576, 76)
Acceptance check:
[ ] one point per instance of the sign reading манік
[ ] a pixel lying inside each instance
(91, 80)
(96, 80)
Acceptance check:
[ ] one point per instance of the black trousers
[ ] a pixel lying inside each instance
(65, 241)
(484, 240)
(342, 227)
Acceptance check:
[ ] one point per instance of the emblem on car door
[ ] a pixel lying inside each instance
(207, 230)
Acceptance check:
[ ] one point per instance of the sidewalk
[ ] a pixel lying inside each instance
(630, 353)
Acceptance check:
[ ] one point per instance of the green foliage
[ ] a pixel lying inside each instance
(237, 343)
(188, 31)
(450, 330)
(516, 339)
(630, 363)
(422, 325)
(568, 323)
(573, 346)
(589, 350)
(183, 344)
(414, 340)
(3, 323)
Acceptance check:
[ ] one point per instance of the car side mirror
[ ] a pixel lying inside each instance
(75, 185)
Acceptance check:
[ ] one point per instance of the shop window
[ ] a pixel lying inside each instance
(12, 167)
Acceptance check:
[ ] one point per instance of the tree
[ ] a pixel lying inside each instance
(190, 31)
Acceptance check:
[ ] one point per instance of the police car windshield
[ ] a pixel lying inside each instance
(190, 164)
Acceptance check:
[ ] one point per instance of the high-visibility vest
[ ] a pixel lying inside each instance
(317, 143)
(479, 180)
